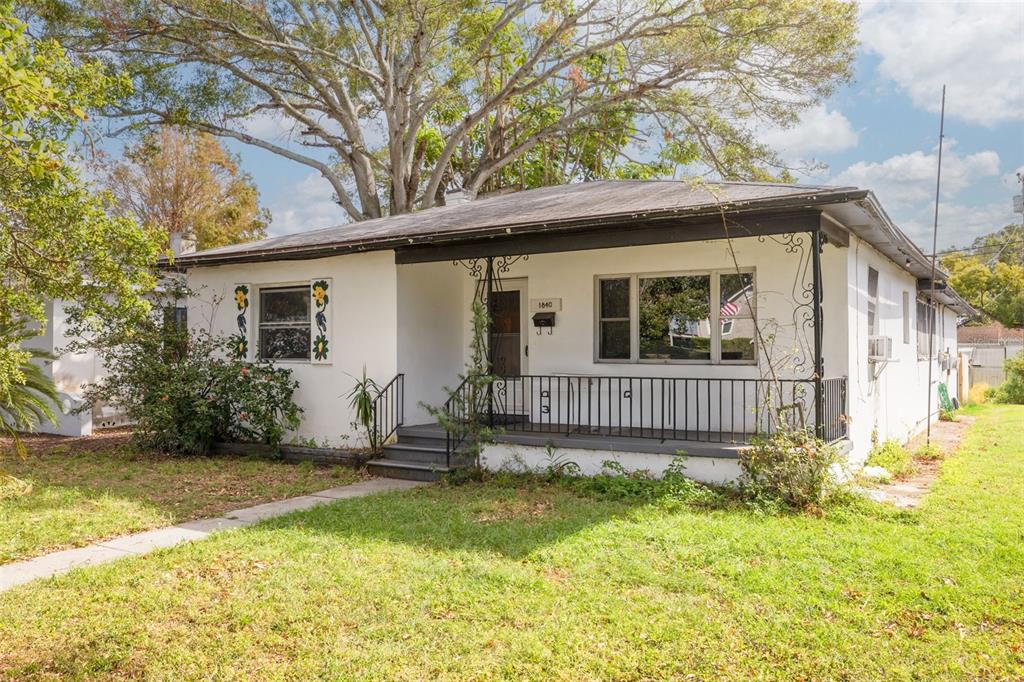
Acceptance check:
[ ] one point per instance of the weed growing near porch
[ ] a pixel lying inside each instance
(892, 457)
(788, 469)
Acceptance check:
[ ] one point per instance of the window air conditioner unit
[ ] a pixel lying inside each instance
(879, 348)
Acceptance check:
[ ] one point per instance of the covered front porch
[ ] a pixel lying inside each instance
(695, 345)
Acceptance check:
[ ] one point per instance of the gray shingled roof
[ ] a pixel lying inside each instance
(569, 205)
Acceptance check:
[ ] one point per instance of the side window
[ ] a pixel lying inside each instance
(284, 323)
(613, 319)
(925, 325)
(872, 302)
(906, 317)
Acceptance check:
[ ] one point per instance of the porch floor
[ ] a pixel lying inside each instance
(699, 443)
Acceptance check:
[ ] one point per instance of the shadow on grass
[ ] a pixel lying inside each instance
(515, 516)
(479, 517)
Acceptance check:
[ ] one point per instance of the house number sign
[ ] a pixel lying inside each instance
(545, 305)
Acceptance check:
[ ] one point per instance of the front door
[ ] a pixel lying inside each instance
(509, 339)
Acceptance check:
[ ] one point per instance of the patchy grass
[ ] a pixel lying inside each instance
(83, 490)
(487, 581)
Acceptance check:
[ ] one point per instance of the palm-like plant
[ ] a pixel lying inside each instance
(25, 404)
(361, 400)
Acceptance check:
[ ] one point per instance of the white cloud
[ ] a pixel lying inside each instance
(906, 180)
(959, 224)
(976, 49)
(307, 205)
(820, 131)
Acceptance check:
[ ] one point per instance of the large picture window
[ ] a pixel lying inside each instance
(672, 318)
(284, 323)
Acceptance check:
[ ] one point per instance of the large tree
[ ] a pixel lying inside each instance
(56, 239)
(395, 101)
(995, 288)
(181, 182)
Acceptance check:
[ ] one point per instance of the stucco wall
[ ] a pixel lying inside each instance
(364, 328)
(894, 403)
(430, 334)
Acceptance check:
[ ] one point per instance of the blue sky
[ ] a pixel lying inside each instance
(879, 132)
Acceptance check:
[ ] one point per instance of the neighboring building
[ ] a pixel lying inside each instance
(987, 348)
(623, 325)
(70, 372)
(73, 371)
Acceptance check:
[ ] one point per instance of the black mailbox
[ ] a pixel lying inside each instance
(543, 319)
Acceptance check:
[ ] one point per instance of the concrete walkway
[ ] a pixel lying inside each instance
(147, 541)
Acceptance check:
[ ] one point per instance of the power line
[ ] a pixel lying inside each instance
(994, 248)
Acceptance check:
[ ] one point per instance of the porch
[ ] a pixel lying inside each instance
(688, 338)
(609, 416)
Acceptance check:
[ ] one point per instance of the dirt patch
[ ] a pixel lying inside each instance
(101, 439)
(519, 509)
(910, 491)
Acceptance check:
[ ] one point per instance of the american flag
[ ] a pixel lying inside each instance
(729, 309)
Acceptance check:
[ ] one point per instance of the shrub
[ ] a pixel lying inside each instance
(185, 392)
(1012, 389)
(947, 415)
(892, 457)
(788, 469)
(978, 393)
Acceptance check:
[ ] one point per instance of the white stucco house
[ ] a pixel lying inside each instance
(631, 320)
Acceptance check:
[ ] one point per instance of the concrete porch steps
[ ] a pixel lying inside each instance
(418, 455)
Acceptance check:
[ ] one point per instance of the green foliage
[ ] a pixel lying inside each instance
(56, 239)
(615, 483)
(893, 457)
(790, 469)
(360, 399)
(186, 392)
(495, 95)
(997, 290)
(929, 453)
(1011, 391)
(24, 404)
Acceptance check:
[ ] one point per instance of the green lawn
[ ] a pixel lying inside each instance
(487, 581)
(90, 489)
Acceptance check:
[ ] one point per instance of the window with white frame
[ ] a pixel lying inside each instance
(906, 317)
(669, 317)
(284, 323)
(872, 302)
(925, 325)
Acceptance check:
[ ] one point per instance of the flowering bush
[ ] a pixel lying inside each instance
(186, 392)
(788, 468)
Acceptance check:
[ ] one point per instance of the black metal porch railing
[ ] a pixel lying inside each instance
(388, 411)
(466, 403)
(708, 410)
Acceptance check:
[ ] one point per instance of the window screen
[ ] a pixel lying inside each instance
(284, 323)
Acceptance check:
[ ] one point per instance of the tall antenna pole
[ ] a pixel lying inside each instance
(932, 318)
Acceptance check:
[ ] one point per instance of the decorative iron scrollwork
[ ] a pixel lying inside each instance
(802, 294)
